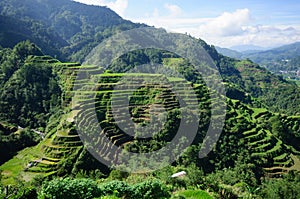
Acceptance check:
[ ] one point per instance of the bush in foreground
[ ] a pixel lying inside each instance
(70, 189)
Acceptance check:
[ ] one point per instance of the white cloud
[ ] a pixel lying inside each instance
(228, 24)
(228, 29)
(119, 6)
(273, 35)
(174, 10)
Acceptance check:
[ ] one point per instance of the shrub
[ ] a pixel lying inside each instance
(117, 188)
(151, 189)
(70, 189)
(26, 193)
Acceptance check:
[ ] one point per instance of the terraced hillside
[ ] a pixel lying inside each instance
(147, 102)
(266, 149)
(62, 142)
(130, 108)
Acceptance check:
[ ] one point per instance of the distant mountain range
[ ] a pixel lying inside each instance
(251, 51)
(229, 52)
(248, 48)
(282, 60)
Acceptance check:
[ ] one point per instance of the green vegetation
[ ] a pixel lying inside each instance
(29, 90)
(283, 60)
(192, 194)
(252, 143)
(44, 102)
(62, 28)
(69, 188)
(13, 140)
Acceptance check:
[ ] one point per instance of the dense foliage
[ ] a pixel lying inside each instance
(62, 28)
(13, 140)
(256, 156)
(70, 189)
(29, 91)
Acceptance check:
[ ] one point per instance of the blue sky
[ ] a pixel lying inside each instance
(224, 23)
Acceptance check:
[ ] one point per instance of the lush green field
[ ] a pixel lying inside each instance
(194, 194)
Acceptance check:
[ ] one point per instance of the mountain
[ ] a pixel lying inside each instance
(261, 142)
(247, 48)
(54, 114)
(229, 53)
(285, 52)
(62, 28)
(282, 60)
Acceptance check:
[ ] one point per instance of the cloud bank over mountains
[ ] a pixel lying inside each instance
(228, 29)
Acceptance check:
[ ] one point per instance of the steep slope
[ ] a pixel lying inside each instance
(69, 27)
(276, 93)
(250, 88)
(29, 90)
(283, 60)
(14, 30)
(71, 30)
(62, 151)
(245, 79)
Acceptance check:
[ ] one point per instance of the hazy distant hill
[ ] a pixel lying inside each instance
(240, 51)
(284, 60)
(228, 52)
(247, 48)
(285, 52)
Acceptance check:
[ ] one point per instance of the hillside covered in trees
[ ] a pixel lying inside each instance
(49, 97)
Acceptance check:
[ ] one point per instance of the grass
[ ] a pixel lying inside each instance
(296, 163)
(275, 148)
(195, 194)
(257, 111)
(128, 74)
(68, 64)
(295, 81)
(172, 61)
(295, 117)
(176, 79)
(260, 141)
(280, 157)
(260, 132)
(14, 168)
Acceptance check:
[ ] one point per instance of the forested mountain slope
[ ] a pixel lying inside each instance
(43, 103)
(69, 31)
(62, 28)
(265, 139)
